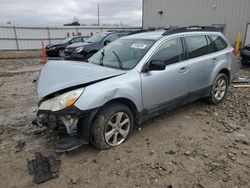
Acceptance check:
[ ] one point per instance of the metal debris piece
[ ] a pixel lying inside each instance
(241, 80)
(19, 146)
(241, 86)
(43, 168)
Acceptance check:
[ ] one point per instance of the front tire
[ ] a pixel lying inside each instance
(112, 126)
(61, 53)
(219, 89)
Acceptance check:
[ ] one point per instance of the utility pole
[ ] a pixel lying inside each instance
(98, 15)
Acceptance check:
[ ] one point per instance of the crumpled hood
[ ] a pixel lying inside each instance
(59, 75)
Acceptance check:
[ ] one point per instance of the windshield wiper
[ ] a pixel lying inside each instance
(119, 60)
(102, 56)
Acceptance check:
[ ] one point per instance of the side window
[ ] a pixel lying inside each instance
(219, 42)
(212, 48)
(84, 39)
(197, 46)
(111, 37)
(75, 40)
(170, 52)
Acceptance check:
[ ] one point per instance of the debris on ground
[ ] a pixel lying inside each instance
(43, 168)
(1, 131)
(241, 86)
(19, 146)
(171, 152)
(74, 180)
(241, 80)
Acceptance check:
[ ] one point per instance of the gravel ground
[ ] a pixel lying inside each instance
(20, 54)
(197, 145)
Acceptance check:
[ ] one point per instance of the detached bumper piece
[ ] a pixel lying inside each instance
(69, 143)
(43, 168)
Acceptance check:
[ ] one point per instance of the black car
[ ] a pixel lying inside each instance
(83, 51)
(245, 54)
(55, 50)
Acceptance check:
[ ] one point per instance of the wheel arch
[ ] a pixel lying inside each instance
(127, 102)
(226, 72)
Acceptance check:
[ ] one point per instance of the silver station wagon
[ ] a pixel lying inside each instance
(131, 80)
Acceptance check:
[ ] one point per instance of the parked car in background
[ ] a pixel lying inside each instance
(83, 51)
(57, 49)
(245, 54)
(131, 80)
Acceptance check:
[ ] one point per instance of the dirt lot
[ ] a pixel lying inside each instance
(198, 145)
(20, 54)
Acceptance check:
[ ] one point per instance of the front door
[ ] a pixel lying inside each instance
(161, 89)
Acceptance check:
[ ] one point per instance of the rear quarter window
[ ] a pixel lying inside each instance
(219, 43)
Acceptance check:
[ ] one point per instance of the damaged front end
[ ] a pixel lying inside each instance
(59, 113)
(59, 86)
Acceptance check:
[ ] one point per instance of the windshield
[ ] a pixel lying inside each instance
(96, 38)
(66, 40)
(122, 54)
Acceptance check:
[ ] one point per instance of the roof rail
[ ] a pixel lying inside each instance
(118, 31)
(170, 31)
(138, 31)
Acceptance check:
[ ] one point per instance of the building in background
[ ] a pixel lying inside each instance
(231, 16)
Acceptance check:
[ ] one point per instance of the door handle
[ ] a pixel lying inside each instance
(183, 70)
(214, 60)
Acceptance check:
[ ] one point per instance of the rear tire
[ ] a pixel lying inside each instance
(112, 126)
(219, 89)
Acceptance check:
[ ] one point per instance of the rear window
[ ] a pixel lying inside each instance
(197, 46)
(220, 44)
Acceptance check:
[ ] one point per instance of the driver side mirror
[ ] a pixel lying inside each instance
(106, 42)
(155, 65)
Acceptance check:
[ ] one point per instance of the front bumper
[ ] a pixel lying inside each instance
(74, 121)
(51, 53)
(68, 51)
(48, 118)
(77, 56)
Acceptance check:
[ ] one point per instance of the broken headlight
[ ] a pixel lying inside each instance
(62, 101)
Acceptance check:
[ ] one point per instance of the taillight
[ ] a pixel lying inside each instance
(235, 52)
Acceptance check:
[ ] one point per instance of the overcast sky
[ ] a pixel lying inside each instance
(59, 12)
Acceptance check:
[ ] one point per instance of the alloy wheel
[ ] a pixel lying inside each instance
(117, 129)
(220, 89)
(61, 53)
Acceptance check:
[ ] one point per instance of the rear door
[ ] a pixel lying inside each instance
(200, 63)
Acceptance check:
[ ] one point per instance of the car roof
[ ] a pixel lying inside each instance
(153, 35)
(156, 35)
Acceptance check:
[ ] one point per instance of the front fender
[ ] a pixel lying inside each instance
(124, 86)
